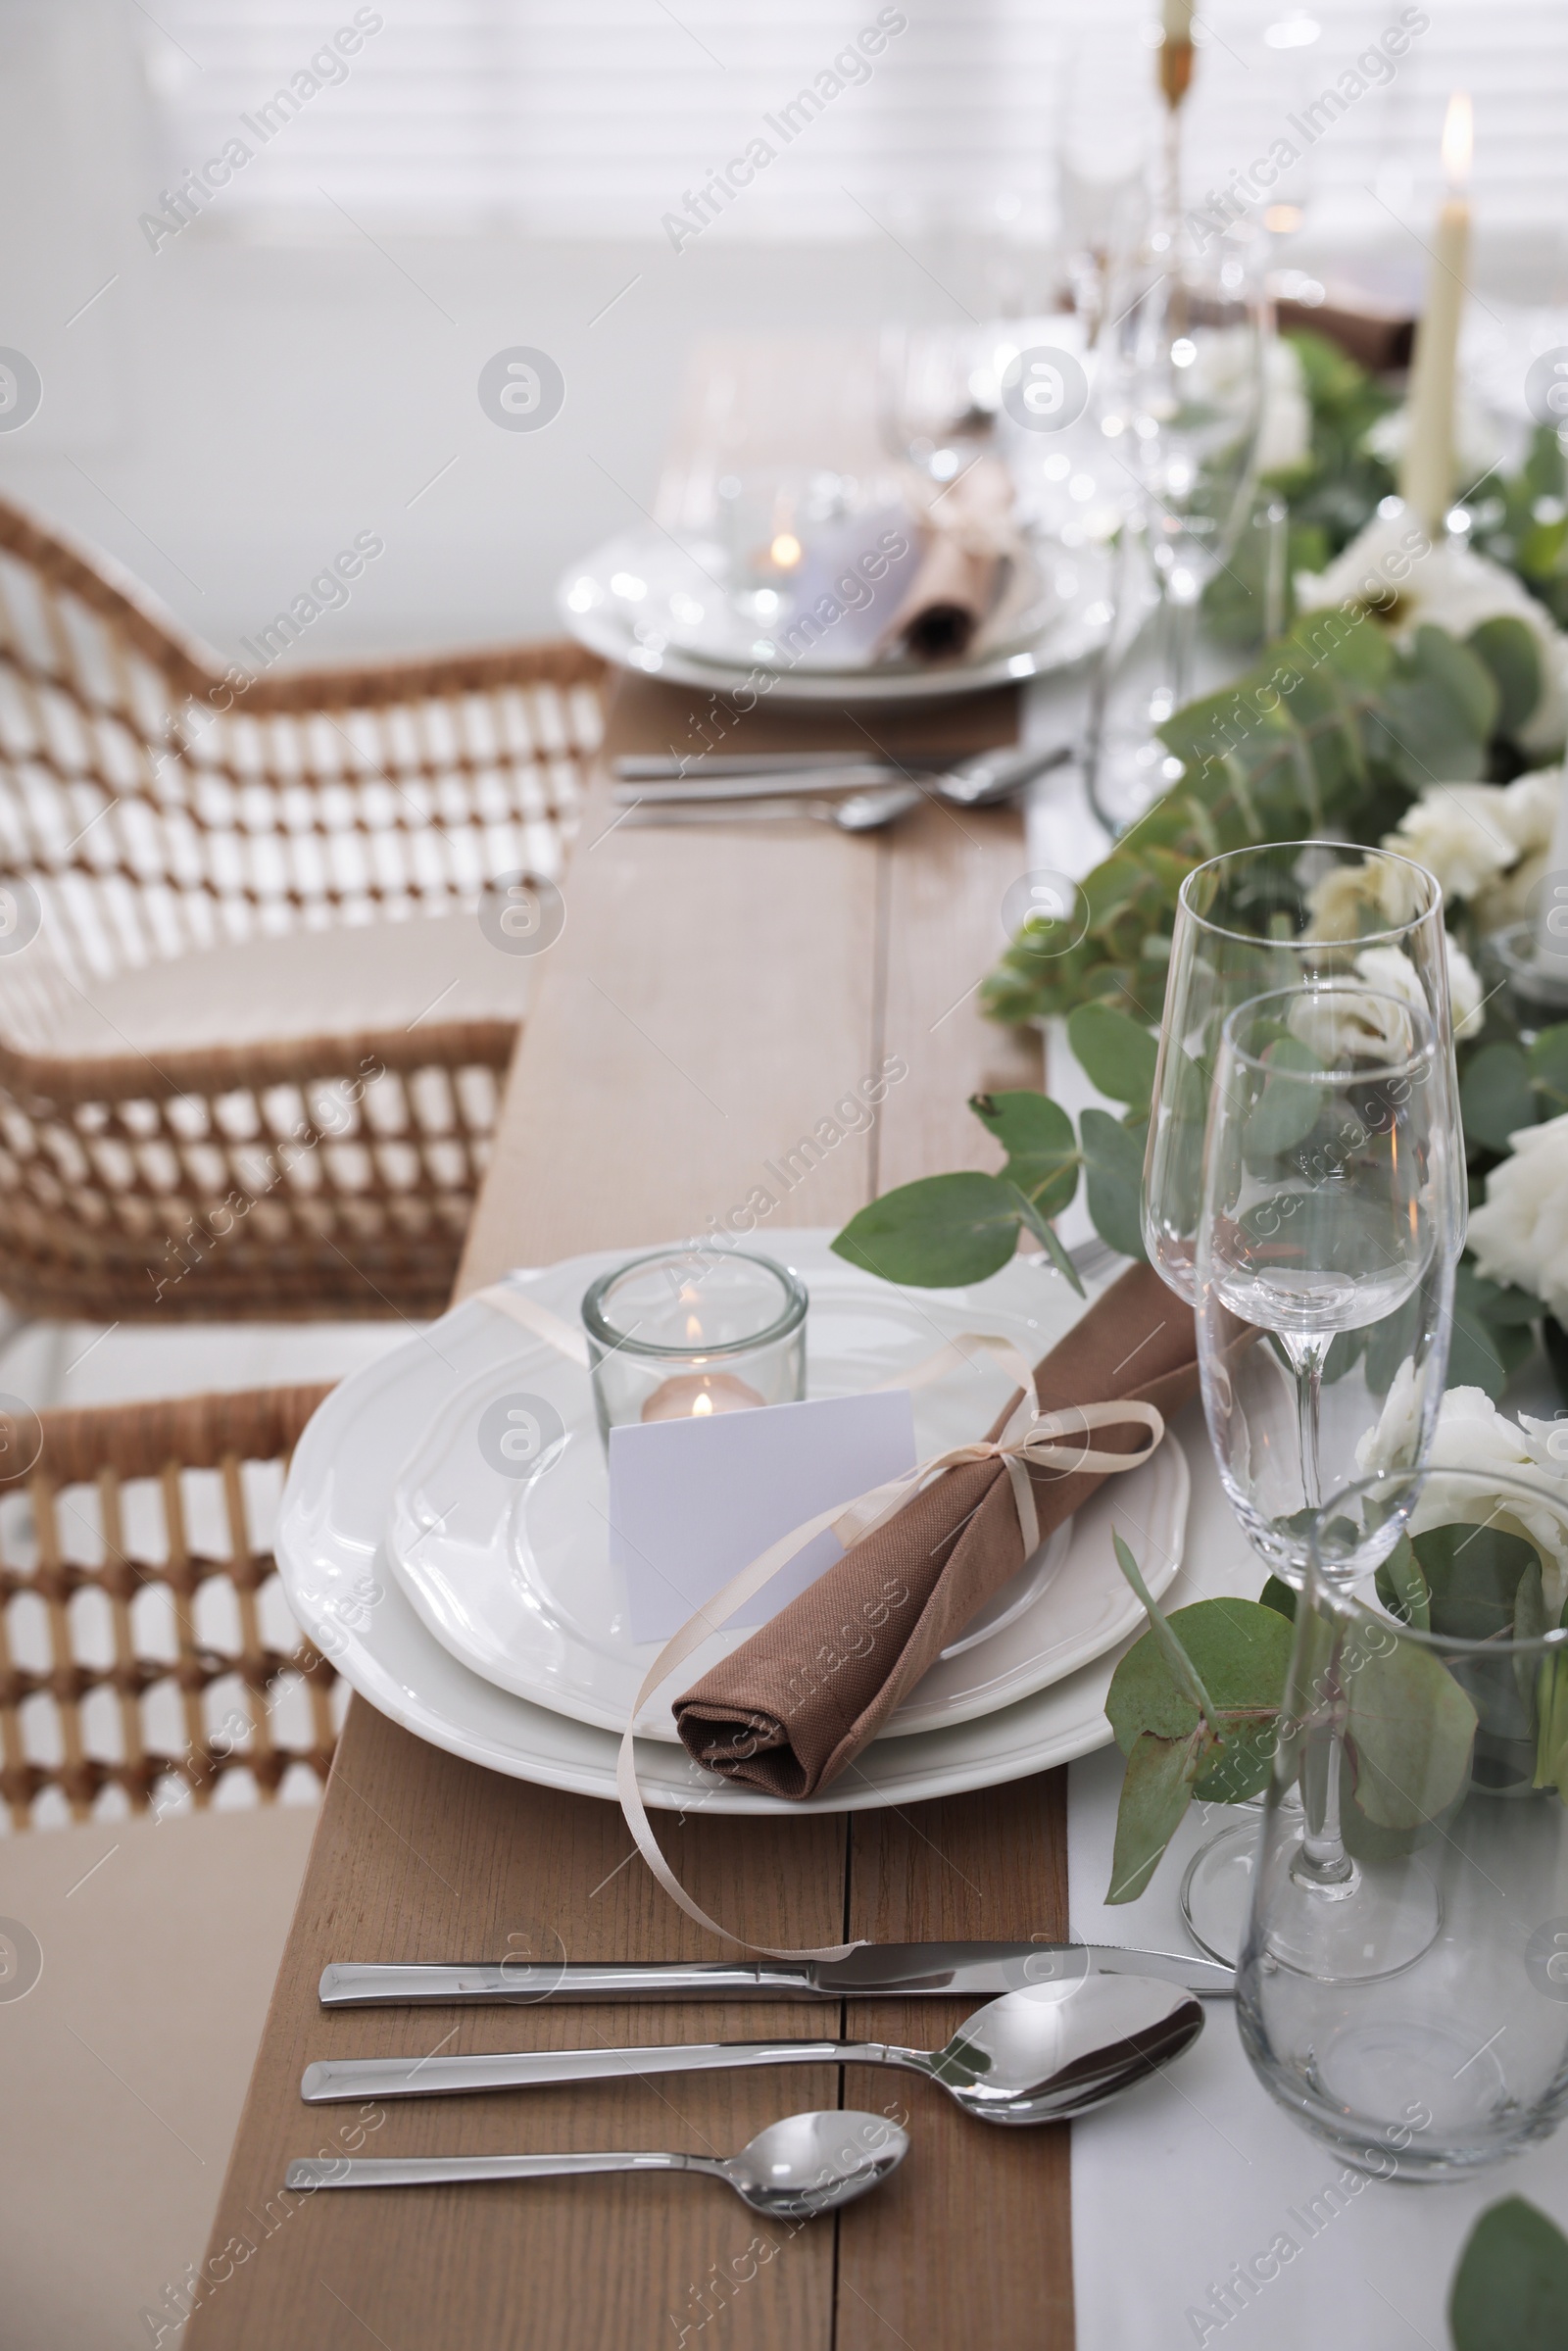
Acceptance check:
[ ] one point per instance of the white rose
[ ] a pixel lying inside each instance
(1520, 1234)
(1473, 1435)
(1446, 586)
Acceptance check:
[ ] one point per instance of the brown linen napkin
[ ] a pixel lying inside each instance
(792, 1707)
(970, 534)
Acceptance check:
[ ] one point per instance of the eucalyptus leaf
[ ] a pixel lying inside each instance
(1217, 1662)
(1114, 1160)
(1482, 1354)
(1046, 1235)
(1409, 1731)
(1154, 1794)
(1510, 650)
(1118, 1054)
(1404, 1589)
(938, 1234)
(1495, 1096)
(1548, 1068)
(1472, 1574)
(1511, 2290)
(1280, 1598)
(1036, 1133)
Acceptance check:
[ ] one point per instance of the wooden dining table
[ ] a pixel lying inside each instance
(712, 996)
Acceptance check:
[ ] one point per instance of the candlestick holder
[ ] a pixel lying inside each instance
(682, 1333)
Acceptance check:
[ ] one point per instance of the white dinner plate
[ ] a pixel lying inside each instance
(341, 1587)
(514, 1577)
(647, 601)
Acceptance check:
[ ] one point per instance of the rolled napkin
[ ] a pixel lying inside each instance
(793, 1705)
(970, 534)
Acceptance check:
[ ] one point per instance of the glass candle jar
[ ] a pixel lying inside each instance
(683, 1333)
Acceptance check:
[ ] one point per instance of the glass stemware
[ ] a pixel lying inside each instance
(1325, 1280)
(1289, 914)
(1182, 406)
(1414, 2010)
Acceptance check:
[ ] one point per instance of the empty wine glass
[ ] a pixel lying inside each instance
(938, 390)
(1408, 2000)
(1325, 1279)
(1291, 913)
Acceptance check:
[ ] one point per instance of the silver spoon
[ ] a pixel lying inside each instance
(806, 2164)
(993, 776)
(1034, 2056)
(857, 812)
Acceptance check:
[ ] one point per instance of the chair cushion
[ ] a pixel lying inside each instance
(124, 2069)
(342, 982)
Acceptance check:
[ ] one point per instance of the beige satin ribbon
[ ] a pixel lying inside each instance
(1030, 1437)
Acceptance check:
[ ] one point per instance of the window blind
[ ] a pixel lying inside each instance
(610, 118)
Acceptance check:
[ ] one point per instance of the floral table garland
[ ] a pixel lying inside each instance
(1415, 702)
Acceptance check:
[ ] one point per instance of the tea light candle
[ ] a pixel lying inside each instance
(693, 1394)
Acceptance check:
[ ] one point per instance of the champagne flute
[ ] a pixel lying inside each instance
(1325, 1288)
(1182, 408)
(1290, 914)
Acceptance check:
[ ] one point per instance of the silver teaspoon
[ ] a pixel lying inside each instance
(806, 2164)
(1034, 2056)
(858, 812)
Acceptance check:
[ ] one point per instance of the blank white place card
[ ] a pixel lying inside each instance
(693, 1501)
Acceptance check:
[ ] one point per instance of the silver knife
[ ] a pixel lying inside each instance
(636, 767)
(777, 784)
(889, 1971)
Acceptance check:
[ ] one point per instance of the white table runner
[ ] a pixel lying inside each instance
(1184, 2177)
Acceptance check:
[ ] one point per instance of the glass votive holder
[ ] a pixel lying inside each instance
(682, 1333)
(1535, 985)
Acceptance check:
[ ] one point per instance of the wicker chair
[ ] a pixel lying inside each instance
(251, 1031)
(144, 1640)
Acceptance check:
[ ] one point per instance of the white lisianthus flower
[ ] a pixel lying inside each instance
(1391, 971)
(1520, 1232)
(1530, 812)
(1473, 1435)
(1396, 1441)
(1456, 832)
(1381, 894)
(1468, 835)
(1343, 1025)
(1394, 572)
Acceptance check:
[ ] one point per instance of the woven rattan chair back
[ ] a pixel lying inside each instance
(153, 807)
(144, 1640)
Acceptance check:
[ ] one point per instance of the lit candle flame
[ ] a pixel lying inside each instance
(786, 550)
(694, 1326)
(1458, 141)
(702, 1405)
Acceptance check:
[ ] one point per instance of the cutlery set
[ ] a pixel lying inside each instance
(858, 795)
(1067, 2025)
